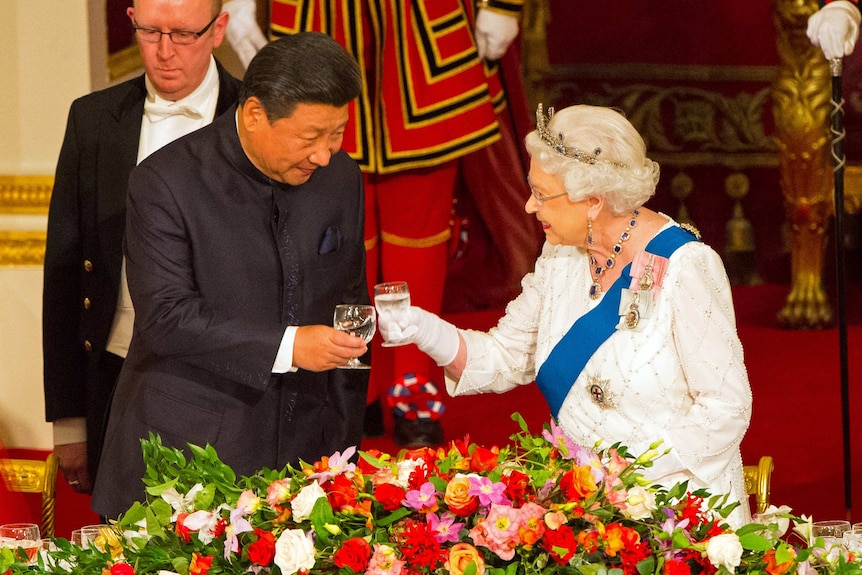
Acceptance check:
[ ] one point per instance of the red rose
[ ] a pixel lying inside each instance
(674, 567)
(122, 569)
(262, 551)
(389, 495)
(517, 487)
(354, 554)
(341, 492)
(483, 459)
(560, 544)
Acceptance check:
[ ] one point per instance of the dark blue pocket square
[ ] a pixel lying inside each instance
(330, 241)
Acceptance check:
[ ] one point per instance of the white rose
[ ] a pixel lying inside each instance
(294, 551)
(640, 503)
(303, 503)
(725, 550)
(777, 515)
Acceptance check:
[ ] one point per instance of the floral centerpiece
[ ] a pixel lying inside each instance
(540, 505)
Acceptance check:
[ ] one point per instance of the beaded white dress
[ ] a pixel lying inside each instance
(680, 379)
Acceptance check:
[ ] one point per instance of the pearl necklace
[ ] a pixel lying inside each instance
(596, 287)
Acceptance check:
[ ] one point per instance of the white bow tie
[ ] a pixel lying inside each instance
(156, 112)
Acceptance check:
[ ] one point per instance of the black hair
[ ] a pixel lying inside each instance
(304, 68)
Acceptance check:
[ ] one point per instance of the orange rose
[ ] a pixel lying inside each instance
(578, 484)
(457, 498)
(774, 568)
(460, 557)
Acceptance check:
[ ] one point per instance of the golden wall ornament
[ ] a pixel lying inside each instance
(22, 248)
(801, 96)
(24, 195)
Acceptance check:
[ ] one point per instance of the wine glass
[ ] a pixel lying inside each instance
(24, 536)
(831, 532)
(392, 297)
(359, 320)
(94, 535)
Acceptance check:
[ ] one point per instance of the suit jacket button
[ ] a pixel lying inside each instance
(88, 346)
(86, 303)
(88, 265)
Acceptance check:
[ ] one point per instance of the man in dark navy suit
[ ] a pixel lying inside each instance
(87, 313)
(241, 239)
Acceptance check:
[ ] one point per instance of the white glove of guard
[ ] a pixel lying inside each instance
(243, 33)
(434, 336)
(494, 33)
(835, 28)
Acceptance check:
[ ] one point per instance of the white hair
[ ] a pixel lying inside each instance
(590, 128)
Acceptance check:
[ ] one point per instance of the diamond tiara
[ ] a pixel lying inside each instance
(556, 142)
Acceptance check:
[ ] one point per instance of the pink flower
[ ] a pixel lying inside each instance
(445, 529)
(337, 463)
(488, 492)
(384, 561)
(561, 441)
(278, 491)
(424, 499)
(499, 531)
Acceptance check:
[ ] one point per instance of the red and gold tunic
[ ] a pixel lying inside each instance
(443, 100)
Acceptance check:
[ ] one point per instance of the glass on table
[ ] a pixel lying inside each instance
(852, 540)
(76, 537)
(830, 532)
(23, 536)
(94, 535)
(392, 298)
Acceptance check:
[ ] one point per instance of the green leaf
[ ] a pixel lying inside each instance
(756, 542)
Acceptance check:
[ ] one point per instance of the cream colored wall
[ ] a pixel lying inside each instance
(45, 65)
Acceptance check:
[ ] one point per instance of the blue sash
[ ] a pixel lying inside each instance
(568, 358)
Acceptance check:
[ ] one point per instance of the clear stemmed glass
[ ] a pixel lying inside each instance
(359, 320)
(392, 297)
(831, 532)
(23, 536)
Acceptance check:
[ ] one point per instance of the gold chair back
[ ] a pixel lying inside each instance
(757, 482)
(35, 476)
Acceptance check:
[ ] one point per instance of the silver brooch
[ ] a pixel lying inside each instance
(599, 391)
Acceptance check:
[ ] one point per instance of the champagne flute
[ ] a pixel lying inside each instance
(23, 536)
(359, 320)
(394, 298)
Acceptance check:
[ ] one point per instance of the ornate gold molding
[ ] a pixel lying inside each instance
(22, 248)
(25, 194)
(124, 62)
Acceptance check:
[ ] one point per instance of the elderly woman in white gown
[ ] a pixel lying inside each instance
(626, 324)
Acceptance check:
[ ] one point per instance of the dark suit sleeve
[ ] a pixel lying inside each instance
(63, 356)
(172, 317)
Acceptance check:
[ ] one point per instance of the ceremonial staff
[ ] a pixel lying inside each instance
(838, 160)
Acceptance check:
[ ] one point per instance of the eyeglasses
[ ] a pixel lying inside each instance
(183, 37)
(541, 199)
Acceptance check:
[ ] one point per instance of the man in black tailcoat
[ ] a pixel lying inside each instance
(87, 316)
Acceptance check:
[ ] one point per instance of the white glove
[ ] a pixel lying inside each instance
(835, 28)
(494, 33)
(434, 336)
(243, 33)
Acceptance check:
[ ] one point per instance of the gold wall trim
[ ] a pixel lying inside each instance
(25, 194)
(22, 248)
(765, 74)
(124, 62)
